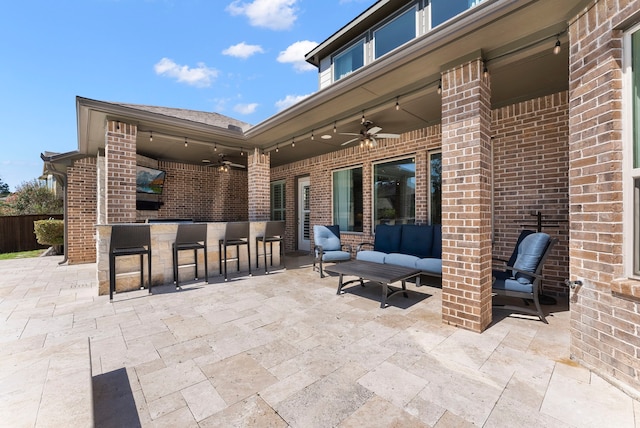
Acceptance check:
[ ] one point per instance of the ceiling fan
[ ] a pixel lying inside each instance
(223, 164)
(368, 134)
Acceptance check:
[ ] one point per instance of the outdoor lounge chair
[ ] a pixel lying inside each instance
(522, 279)
(190, 236)
(273, 232)
(327, 246)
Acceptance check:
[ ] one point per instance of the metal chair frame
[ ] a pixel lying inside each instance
(273, 232)
(191, 236)
(235, 234)
(127, 240)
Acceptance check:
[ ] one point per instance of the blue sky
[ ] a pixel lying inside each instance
(241, 58)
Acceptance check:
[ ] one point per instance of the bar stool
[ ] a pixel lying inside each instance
(190, 237)
(236, 233)
(127, 240)
(273, 232)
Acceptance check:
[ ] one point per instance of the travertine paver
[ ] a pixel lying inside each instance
(278, 350)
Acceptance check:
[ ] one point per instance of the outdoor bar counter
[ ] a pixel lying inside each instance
(163, 235)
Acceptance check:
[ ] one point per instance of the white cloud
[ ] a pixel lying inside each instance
(245, 108)
(243, 50)
(201, 76)
(272, 14)
(289, 100)
(295, 53)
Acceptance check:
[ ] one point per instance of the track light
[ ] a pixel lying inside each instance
(312, 136)
(241, 152)
(485, 71)
(277, 149)
(363, 119)
(151, 136)
(557, 47)
(215, 147)
(440, 88)
(334, 128)
(293, 142)
(397, 104)
(185, 142)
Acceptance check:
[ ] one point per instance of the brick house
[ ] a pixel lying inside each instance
(497, 114)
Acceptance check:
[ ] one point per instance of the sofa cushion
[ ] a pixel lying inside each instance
(336, 256)
(530, 251)
(416, 240)
(327, 236)
(430, 265)
(371, 256)
(398, 259)
(387, 238)
(436, 248)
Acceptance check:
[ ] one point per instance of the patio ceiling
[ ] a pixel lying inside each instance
(514, 37)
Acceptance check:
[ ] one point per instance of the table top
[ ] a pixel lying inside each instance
(373, 271)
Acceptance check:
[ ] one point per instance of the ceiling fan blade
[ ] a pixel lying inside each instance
(349, 133)
(388, 135)
(237, 165)
(374, 130)
(350, 141)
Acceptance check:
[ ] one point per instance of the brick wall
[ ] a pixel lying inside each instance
(81, 211)
(605, 311)
(199, 192)
(531, 160)
(120, 154)
(466, 197)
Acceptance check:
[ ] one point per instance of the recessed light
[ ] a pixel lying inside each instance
(326, 137)
(206, 161)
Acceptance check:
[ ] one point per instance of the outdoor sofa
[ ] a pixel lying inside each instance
(408, 245)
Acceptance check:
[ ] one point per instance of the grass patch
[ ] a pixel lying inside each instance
(21, 255)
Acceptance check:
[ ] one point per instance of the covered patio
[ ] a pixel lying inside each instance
(278, 350)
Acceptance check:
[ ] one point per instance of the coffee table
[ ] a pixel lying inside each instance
(376, 272)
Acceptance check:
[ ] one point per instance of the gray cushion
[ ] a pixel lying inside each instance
(335, 256)
(530, 252)
(401, 260)
(371, 256)
(328, 237)
(504, 281)
(430, 265)
(416, 240)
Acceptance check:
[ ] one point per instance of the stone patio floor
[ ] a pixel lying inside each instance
(275, 351)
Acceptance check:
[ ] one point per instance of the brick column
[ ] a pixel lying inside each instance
(466, 197)
(259, 169)
(120, 168)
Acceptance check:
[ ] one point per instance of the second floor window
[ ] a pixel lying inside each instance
(395, 33)
(348, 61)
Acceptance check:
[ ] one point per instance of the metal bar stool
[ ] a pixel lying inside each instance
(190, 237)
(273, 232)
(236, 233)
(127, 240)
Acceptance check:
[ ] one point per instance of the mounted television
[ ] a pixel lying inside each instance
(149, 180)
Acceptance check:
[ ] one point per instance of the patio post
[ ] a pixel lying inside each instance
(258, 170)
(466, 196)
(120, 172)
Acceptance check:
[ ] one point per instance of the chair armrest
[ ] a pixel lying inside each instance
(318, 250)
(363, 244)
(535, 275)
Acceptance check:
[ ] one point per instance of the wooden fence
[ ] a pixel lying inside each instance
(16, 232)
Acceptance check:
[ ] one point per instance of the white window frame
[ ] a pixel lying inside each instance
(333, 219)
(631, 235)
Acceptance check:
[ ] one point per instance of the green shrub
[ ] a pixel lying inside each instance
(49, 232)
